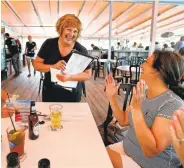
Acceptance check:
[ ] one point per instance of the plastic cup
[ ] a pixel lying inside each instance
(16, 139)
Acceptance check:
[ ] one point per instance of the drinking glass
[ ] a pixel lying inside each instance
(56, 116)
(16, 139)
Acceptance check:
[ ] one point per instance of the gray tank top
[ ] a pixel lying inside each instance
(162, 106)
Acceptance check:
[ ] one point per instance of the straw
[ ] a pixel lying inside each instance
(10, 115)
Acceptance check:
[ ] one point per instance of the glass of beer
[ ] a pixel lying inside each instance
(16, 139)
(56, 116)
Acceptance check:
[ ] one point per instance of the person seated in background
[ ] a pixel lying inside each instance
(5, 110)
(177, 133)
(94, 47)
(158, 46)
(167, 48)
(181, 51)
(118, 47)
(140, 46)
(148, 141)
(173, 44)
(134, 46)
(179, 44)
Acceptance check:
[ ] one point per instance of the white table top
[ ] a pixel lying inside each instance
(77, 145)
(126, 68)
(106, 60)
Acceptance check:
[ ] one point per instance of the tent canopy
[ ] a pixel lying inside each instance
(131, 19)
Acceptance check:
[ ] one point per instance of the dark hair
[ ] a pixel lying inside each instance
(181, 51)
(171, 68)
(7, 35)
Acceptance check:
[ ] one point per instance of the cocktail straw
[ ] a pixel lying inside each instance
(10, 115)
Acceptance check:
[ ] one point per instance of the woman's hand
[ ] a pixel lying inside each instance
(138, 95)
(111, 87)
(60, 65)
(177, 133)
(63, 77)
(5, 110)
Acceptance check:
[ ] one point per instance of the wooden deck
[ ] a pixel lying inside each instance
(27, 88)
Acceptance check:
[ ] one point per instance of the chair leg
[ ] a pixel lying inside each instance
(40, 86)
(84, 89)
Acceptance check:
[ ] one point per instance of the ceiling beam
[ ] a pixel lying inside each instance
(174, 27)
(3, 23)
(137, 17)
(81, 8)
(118, 16)
(30, 26)
(97, 16)
(173, 2)
(120, 25)
(58, 8)
(141, 28)
(9, 6)
(38, 16)
(161, 27)
(50, 8)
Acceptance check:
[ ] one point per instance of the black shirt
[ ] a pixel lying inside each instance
(30, 46)
(49, 51)
(12, 46)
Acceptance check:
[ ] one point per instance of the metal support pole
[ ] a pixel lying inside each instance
(107, 70)
(153, 26)
(110, 29)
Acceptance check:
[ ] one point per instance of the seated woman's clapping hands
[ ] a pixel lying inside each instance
(177, 133)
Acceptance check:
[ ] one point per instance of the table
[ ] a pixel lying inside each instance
(77, 145)
(107, 65)
(126, 68)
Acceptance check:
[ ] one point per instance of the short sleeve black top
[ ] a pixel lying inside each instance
(12, 45)
(49, 51)
(30, 46)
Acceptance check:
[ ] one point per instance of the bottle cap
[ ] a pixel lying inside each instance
(32, 103)
(12, 159)
(44, 163)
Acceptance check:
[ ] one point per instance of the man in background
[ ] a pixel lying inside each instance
(94, 47)
(12, 52)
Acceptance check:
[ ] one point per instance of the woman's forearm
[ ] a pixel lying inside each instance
(145, 136)
(41, 67)
(119, 114)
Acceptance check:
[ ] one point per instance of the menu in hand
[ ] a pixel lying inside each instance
(76, 64)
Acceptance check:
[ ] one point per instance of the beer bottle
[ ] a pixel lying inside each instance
(13, 160)
(44, 163)
(33, 122)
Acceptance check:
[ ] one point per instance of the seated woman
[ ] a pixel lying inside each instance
(148, 141)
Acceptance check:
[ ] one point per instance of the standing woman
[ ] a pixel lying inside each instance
(55, 53)
(30, 53)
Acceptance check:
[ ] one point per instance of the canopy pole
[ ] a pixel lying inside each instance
(110, 29)
(153, 26)
(108, 64)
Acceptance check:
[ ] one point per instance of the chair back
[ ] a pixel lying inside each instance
(128, 96)
(136, 60)
(134, 73)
